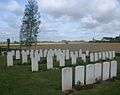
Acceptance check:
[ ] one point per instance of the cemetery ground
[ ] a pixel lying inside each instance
(93, 47)
(19, 80)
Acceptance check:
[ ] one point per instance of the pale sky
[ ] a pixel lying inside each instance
(64, 19)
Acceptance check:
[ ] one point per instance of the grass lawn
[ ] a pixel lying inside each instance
(19, 80)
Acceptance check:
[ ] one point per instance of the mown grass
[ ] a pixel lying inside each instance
(19, 80)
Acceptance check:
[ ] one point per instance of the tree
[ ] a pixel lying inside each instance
(30, 24)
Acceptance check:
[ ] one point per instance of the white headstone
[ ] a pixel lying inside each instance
(113, 71)
(71, 54)
(58, 55)
(40, 53)
(98, 71)
(91, 57)
(24, 57)
(96, 57)
(107, 54)
(87, 53)
(84, 57)
(17, 54)
(103, 56)
(49, 62)
(80, 53)
(31, 53)
(100, 55)
(67, 55)
(64, 52)
(76, 53)
(106, 69)
(74, 59)
(79, 75)
(34, 64)
(66, 79)
(3, 53)
(62, 59)
(90, 79)
(45, 53)
(13, 52)
(37, 55)
(28, 52)
(113, 54)
(110, 54)
(9, 59)
(55, 51)
(51, 52)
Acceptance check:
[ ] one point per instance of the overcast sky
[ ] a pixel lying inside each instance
(64, 19)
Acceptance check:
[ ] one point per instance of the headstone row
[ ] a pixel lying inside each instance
(105, 55)
(88, 74)
(61, 56)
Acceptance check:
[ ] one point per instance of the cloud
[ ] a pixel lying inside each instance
(58, 8)
(66, 19)
(89, 22)
(9, 26)
(110, 28)
(78, 8)
(93, 11)
(11, 19)
(11, 6)
(8, 32)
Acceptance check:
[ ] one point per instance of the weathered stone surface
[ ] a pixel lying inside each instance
(90, 79)
(9, 59)
(106, 69)
(62, 60)
(67, 55)
(49, 62)
(87, 53)
(110, 54)
(74, 59)
(71, 54)
(45, 53)
(96, 56)
(24, 57)
(76, 54)
(113, 54)
(84, 57)
(66, 79)
(98, 71)
(107, 54)
(17, 54)
(34, 64)
(100, 55)
(91, 57)
(80, 53)
(113, 71)
(103, 56)
(40, 53)
(79, 75)
(13, 52)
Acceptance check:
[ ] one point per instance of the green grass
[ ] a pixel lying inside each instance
(19, 80)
